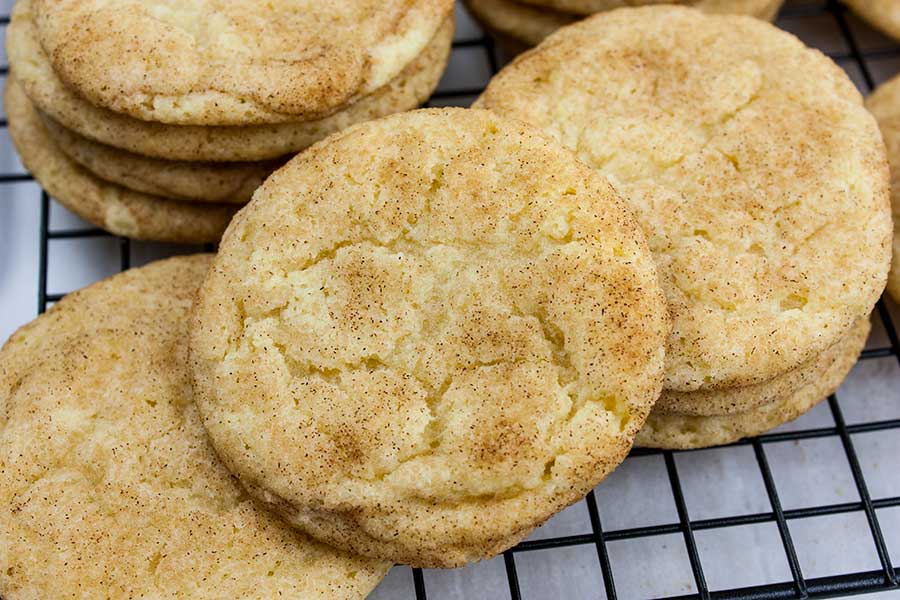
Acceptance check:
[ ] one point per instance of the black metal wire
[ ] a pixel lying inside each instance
(42, 265)
(14, 177)
(68, 234)
(704, 524)
(838, 11)
(686, 527)
(419, 584)
(862, 489)
(124, 253)
(602, 551)
(799, 587)
(512, 576)
(783, 531)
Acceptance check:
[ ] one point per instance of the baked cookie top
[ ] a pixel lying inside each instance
(756, 172)
(108, 485)
(437, 328)
(218, 62)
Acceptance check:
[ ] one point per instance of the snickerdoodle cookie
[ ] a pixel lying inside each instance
(109, 487)
(757, 174)
(217, 62)
(35, 72)
(517, 25)
(427, 334)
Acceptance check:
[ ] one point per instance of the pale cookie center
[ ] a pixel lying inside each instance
(424, 368)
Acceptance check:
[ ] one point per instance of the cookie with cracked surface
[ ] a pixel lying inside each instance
(427, 334)
(884, 15)
(827, 371)
(216, 62)
(201, 143)
(520, 25)
(758, 176)
(884, 103)
(108, 484)
(225, 182)
(109, 206)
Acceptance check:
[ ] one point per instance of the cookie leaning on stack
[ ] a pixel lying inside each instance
(884, 103)
(108, 485)
(427, 334)
(208, 97)
(520, 24)
(761, 183)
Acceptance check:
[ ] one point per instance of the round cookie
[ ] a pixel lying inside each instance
(198, 143)
(111, 207)
(756, 172)
(231, 183)
(427, 334)
(881, 14)
(519, 25)
(108, 485)
(215, 62)
(673, 431)
(884, 103)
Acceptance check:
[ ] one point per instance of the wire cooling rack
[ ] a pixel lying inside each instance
(810, 510)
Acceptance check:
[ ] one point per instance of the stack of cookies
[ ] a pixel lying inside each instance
(157, 120)
(761, 183)
(520, 24)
